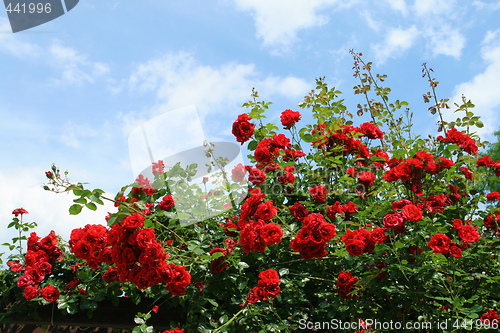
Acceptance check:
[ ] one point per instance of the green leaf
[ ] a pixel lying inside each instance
(213, 302)
(252, 145)
(82, 201)
(306, 137)
(216, 255)
(75, 209)
(223, 319)
(91, 206)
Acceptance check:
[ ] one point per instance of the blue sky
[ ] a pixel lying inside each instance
(72, 90)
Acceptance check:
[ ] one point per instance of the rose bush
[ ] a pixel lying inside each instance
(342, 223)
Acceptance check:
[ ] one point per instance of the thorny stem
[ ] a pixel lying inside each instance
(433, 85)
(229, 321)
(224, 174)
(358, 60)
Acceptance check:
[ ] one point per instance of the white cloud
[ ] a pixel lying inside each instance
(76, 68)
(22, 187)
(14, 44)
(399, 5)
(445, 40)
(427, 7)
(179, 80)
(483, 5)
(482, 90)
(396, 42)
(277, 22)
(73, 134)
(367, 16)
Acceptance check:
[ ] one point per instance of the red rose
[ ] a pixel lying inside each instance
(219, 264)
(412, 213)
(256, 294)
(394, 219)
(18, 211)
(371, 131)
(257, 176)
(355, 247)
(366, 179)
(468, 234)
(289, 118)
(167, 202)
(49, 242)
(440, 243)
(242, 129)
(43, 268)
(50, 293)
(30, 292)
(110, 275)
(288, 178)
(265, 211)
(239, 172)
(299, 211)
(280, 141)
(271, 233)
(133, 221)
(15, 266)
(455, 251)
(402, 171)
(319, 193)
(468, 174)
(179, 279)
(484, 161)
(377, 235)
(343, 278)
(262, 155)
(269, 276)
(327, 231)
(231, 225)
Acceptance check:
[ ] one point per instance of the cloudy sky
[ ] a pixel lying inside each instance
(72, 90)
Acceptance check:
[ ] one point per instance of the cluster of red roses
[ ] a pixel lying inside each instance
(38, 261)
(256, 230)
(412, 170)
(404, 210)
(441, 243)
(344, 140)
(348, 209)
(362, 240)
(267, 287)
(486, 161)
(463, 141)
(490, 317)
(312, 238)
(345, 285)
(138, 256)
